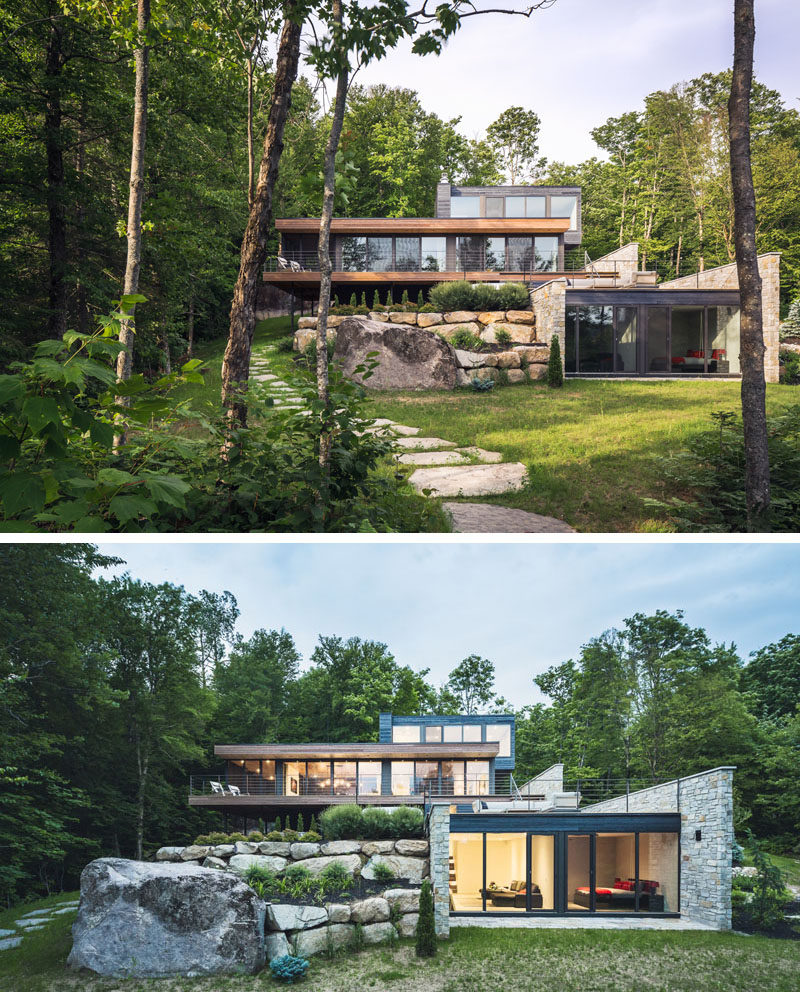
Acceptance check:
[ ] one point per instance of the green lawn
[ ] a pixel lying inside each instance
(592, 448)
(473, 960)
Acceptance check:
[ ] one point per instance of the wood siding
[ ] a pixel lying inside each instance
(364, 226)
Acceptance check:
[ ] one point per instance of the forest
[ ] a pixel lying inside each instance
(114, 690)
(661, 176)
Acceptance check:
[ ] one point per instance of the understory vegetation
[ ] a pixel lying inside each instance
(352, 822)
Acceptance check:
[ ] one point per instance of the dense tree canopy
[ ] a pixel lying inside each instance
(104, 712)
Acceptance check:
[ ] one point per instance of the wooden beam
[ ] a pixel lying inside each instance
(430, 226)
(354, 752)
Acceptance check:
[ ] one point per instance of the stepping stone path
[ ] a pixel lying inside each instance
(447, 470)
(281, 393)
(37, 919)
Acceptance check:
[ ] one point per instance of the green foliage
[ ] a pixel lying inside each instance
(376, 301)
(407, 821)
(290, 835)
(462, 295)
(288, 968)
(420, 299)
(255, 836)
(426, 924)
(363, 303)
(448, 296)
(376, 823)
(352, 822)
(789, 367)
(389, 300)
(335, 877)
(233, 838)
(274, 835)
(311, 837)
(285, 345)
(502, 337)
(277, 828)
(472, 684)
(555, 371)
(428, 308)
(763, 906)
(514, 138)
(481, 384)
(790, 328)
(383, 873)
(300, 825)
(353, 300)
(404, 298)
(466, 340)
(341, 822)
(313, 827)
(712, 471)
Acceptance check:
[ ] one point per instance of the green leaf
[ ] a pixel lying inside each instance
(39, 411)
(127, 507)
(102, 433)
(114, 477)
(21, 491)
(131, 299)
(11, 388)
(167, 489)
(9, 447)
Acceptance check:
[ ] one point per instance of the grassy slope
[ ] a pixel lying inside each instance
(473, 960)
(592, 448)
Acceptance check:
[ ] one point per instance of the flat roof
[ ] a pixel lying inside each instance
(345, 752)
(427, 225)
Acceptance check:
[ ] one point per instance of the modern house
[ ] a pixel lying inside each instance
(498, 847)
(612, 318)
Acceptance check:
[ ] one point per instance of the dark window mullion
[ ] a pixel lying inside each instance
(483, 887)
(636, 874)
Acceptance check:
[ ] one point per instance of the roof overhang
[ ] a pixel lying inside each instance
(426, 225)
(354, 752)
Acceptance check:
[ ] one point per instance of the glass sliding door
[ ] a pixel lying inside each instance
(407, 258)
(579, 873)
(615, 873)
(596, 339)
(723, 340)
(626, 338)
(688, 340)
(506, 873)
(658, 873)
(571, 340)
(656, 358)
(542, 875)
(434, 254)
(466, 873)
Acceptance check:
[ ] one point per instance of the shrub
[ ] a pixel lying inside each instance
(389, 300)
(711, 470)
(426, 924)
(383, 873)
(428, 308)
(232, 838)
(376, 823)
(308, 358)
(300, 825)
(274, 835)
(479, 385)
(407, 821)
(376, 301)
(215, 837)
(310, 837)
(353, 300)
(451, 296)
(363, 302)
(514, 296)
(502, 336)
(285, 344)
(790, 328)
(277, 826)
(555, 373)
(790, 367)
(466, 340)
(313, 827)
(404, 298)
(420, 299)
(255, 835)
(341, 822)
(290, 835)
(288, 968)
(335, 877)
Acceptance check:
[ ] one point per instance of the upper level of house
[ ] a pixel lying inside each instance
(415, 758)
(482, 233)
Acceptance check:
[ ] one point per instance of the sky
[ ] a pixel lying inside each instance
(523, 606)
(582, 61)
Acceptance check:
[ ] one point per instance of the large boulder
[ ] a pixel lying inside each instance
(140, 919)
(416, 848)
(341, 847)
(301, 850)
(242, 862)
(409, 357)
(285, 916)
(333, 938)
(350, 862)
(406, 900)
(373, 910)
(169, 854)
(411, 869)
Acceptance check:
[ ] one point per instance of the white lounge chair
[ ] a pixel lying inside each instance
(234, 790)
(282, 263)
(295, 266)
(217, 787)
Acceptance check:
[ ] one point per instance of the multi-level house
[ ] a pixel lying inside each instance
(497, 846)
(612, 318)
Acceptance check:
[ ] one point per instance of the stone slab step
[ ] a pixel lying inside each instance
(434, 458)
(62, 912)
(424, 443)
(470, 480)
(9, 942)
(7, 933)
(483, 518)
(36, 912)
(406, 431)
(482, 454)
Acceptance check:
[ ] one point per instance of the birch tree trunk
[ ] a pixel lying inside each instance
(190, 328)
(325, 266)
(251, 155)
(57, 233)
(134, 228)
(236, 363)
(754, 414)
(143, 767)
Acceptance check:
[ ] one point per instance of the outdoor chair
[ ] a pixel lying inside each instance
(282, 263)
(295, 266)
(234, 790)
(217, 787)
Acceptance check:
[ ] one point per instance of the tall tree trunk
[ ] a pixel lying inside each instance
(251, 156)
(143, 767)
(325, 266)
(57, 234)
(236, 363)
(80, 217)
(190, 328)
(754, 413)
(136, 196)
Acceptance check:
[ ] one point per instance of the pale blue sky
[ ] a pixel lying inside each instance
(524, 606)
(583, 61)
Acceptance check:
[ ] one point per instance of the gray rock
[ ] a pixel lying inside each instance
(537, 372)
(301, 851)
(407, 924)
(415, 848)
(194, 852)
(429, 319)
(138, 919)
(377, 933)
(423, 443)
(283, 916)
(36, 912)
(241, 862)
(29, 924)
(413, 869)
(338, 912)
(481, 454)
(516, 376)
(63, 912)
(246, 847)
(536, 354)
(223, 850)
(378, 847)
(316, 866)
(407, 900)
(399, 317)
(336, 936)
(373, 910)
(211, 862)
(433, 458)
(470, 359)
(8, 942)
(507, 360)
(470, 480)
(409, 357)
(483, 518)
(341, 847)
(7, 933)
(282, 848)
(460, 316)
(169, 854)
(276, 945)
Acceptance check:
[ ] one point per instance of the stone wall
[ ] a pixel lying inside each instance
(705, 803)
(548, 303)
(439, 834)
(308, 929)
(524, 360)
(727, 277)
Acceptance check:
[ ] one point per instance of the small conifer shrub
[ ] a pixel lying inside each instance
(555, 373)
(426, 924)
(288, 968)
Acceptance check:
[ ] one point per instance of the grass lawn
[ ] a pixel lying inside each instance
(592, 448)
(473, 960)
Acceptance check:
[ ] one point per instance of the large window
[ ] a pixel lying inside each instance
(434, 254)
(579, 873)
(294, 778)
(369, 778)
(466, 873)
(426, 774)
(519, 254)
(433, 735)
(723, 340)
(402, 778)
(471, 253)
(405, 734)
(596, 339)
(536, 206)
(494, 206)
(319, 777)
(615, 873)
(571, 340)
(495, 254)
(406, 254)
(515, 206)
(379, 254)
(658, 873)
(492, 872)
(465, 206)
(477, 778)
(500, 732)
(657, 357)
(344, 778)
(354, 254)
(472, 733)
(506, 873)
(688, 354)
(452, 778)
(452, 733)
(546, 254)
(565, 206)
(625, 357)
